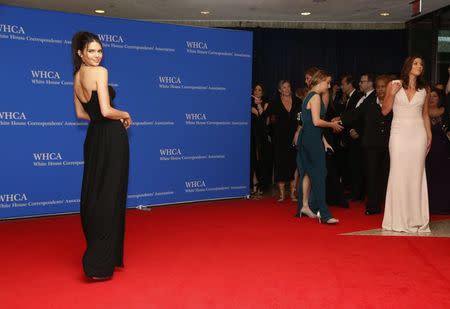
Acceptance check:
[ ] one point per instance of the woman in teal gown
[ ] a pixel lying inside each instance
(311, 151)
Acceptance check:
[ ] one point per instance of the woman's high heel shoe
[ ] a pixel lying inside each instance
(332, 221)
(307, 212)
(329, 221)
(256, 189)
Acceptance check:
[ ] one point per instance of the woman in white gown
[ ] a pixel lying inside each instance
(406, 207)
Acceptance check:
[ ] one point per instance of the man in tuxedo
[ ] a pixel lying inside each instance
(356, 154)
(350, 156)
(374, 133)
(353, 95)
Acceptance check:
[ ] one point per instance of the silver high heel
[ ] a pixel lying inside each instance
(307, 212)
(332, 221)
(329, 221)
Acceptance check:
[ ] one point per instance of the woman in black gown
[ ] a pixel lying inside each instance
(259, 143)
(438, 160)
(283, 113)
(106, 155)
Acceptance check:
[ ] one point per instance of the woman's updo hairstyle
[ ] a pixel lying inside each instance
(319, 77)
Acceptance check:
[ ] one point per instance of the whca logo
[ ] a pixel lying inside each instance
(170, 152)
(111, 38)
(196, 116)
(12, 29)
(13, 197)
(12, 116)
(43, 74)
(47, 156)
(195, 184)
(196, 45)
(170, 79)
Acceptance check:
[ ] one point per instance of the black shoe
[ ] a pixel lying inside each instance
(370, 212)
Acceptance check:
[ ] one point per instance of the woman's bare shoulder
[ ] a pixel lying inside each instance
(98, 70)
(95, 75)
(315, 97)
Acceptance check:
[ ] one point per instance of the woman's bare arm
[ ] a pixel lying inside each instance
(426, 120)
(388, 101)
(314, 104)
(103, 96)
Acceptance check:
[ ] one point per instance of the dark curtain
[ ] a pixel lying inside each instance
(287, 53)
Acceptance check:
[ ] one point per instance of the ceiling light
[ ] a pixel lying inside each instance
(305, 13)
(384, 13)
(100, 11)
(205, 12)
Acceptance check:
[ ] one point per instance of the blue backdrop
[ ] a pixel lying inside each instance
(186, 88)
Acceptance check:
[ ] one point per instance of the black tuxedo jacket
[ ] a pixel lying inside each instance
(374, 127)
(354, 99)
(351, 105)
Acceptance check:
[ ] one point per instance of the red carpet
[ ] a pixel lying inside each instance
(229, 254)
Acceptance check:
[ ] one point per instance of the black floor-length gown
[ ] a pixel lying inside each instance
(284, 125)
(104, 191)
(438, 167)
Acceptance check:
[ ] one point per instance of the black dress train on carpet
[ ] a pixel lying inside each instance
(104, 190)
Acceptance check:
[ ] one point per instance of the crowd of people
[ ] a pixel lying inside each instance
(342, 141)
(324, 144)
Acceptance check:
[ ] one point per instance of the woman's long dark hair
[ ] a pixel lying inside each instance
(406, 69)
(263, 93)
(79, 42)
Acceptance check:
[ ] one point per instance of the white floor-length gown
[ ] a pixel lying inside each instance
(406, 208)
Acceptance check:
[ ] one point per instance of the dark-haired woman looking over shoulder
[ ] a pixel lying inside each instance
(406, 207)
(106, 155)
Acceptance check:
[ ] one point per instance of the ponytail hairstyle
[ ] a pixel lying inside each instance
(311, 71)
(80, 41)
